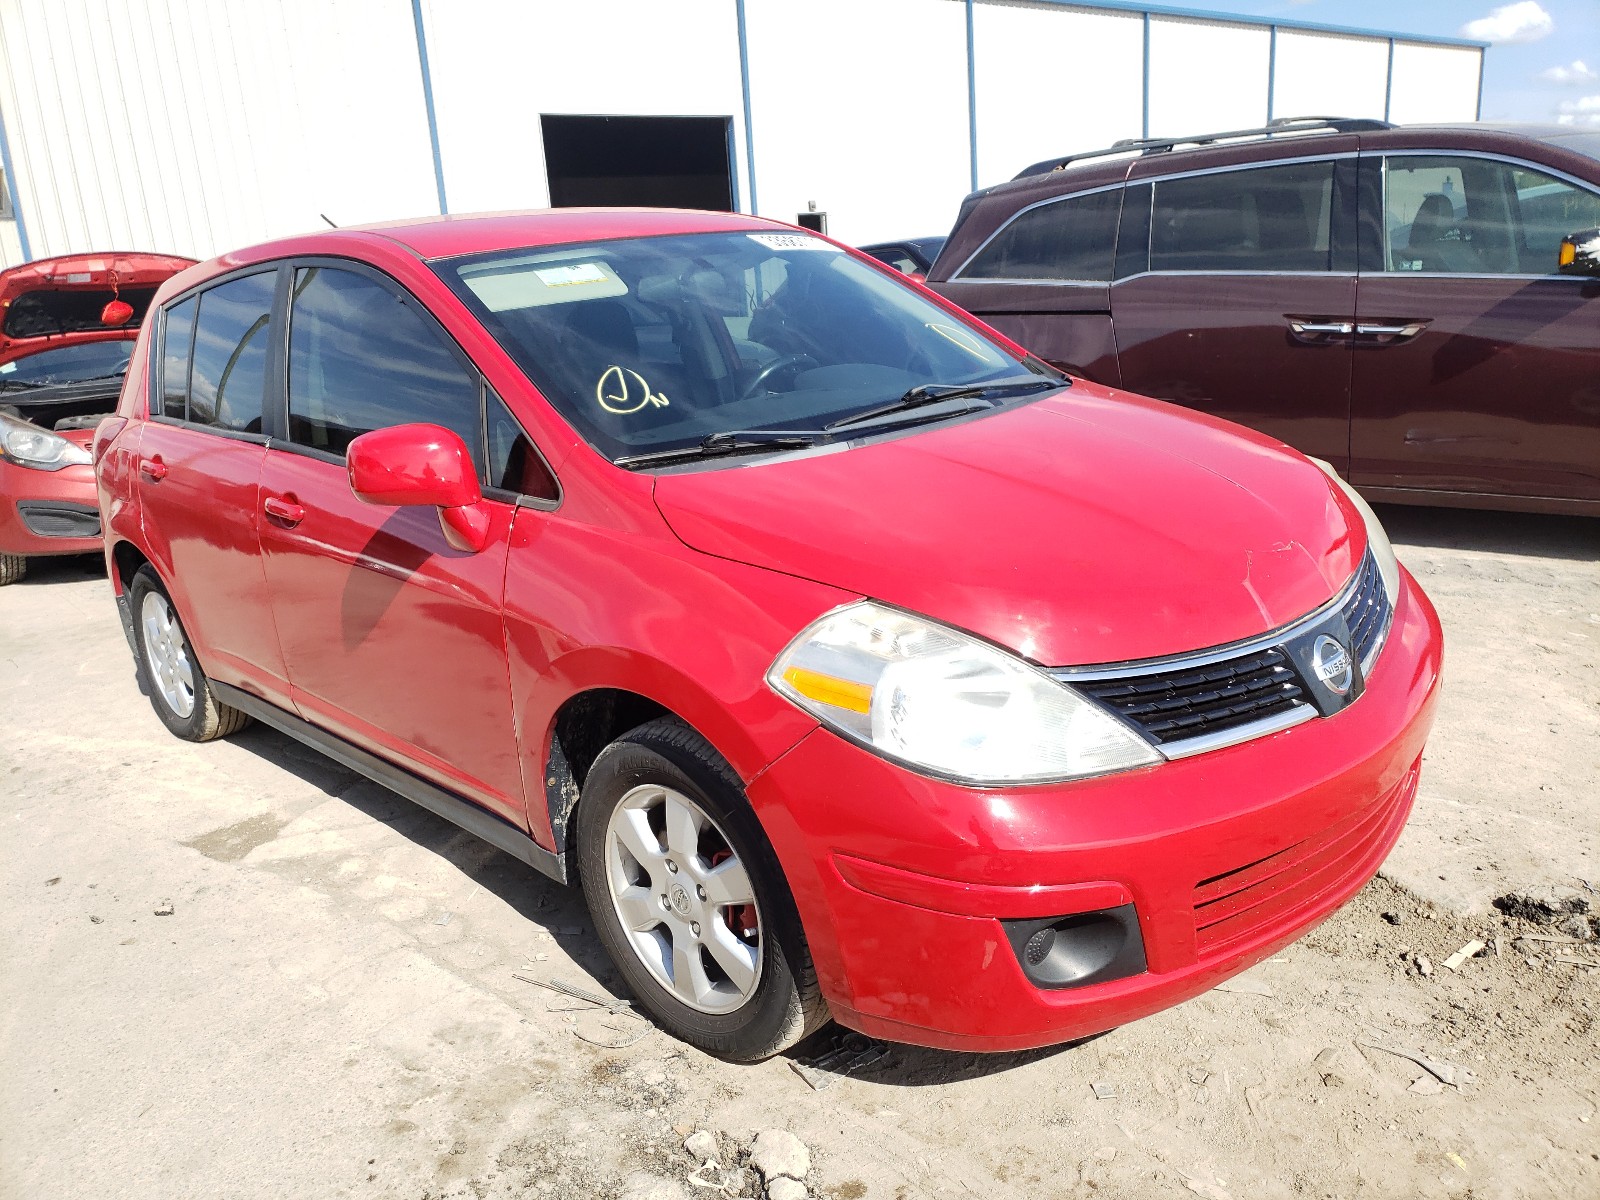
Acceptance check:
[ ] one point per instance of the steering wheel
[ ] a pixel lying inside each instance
(788, 362)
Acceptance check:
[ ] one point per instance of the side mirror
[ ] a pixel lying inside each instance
(408, 465)
(1580, 253)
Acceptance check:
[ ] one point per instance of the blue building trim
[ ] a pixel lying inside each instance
(1272, 69)
(1388, 80)
(1144, 120)
(1200, 14)
(972, 97)
(11, 189)
(749, 128)
(427, 100)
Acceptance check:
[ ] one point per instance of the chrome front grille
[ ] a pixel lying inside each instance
(1196, 702)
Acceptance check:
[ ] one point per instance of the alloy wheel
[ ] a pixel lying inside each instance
(166, 654)
(684, 899)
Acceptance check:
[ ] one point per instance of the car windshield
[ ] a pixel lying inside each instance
(650, 344)
(66, 364)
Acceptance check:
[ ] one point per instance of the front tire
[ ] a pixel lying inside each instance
(12, 568)
(688, 897)
(168, 671)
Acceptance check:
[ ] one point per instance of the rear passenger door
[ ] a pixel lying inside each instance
(392, 638)
(1477, 365)
(1236, 293)
(199, 470)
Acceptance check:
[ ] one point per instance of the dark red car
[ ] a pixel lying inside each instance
(66, 329)
(1389, 299)
(853, 660)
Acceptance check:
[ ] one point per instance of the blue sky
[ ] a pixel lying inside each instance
(1543, 65)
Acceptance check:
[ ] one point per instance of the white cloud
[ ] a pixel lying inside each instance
(1583, 112)
(1578, 72)
(1524, 21)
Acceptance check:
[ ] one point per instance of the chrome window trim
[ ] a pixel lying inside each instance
(1125, 182)
(1468, 275)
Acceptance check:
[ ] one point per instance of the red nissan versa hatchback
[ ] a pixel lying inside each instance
(66, 329)
(853, 660)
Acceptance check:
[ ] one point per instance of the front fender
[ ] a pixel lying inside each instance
(697, 641)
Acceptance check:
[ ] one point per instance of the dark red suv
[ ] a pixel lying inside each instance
(1392, 300)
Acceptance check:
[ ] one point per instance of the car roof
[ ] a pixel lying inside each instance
(479, 233)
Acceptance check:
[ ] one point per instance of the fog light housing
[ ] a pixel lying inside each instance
(1080, 949)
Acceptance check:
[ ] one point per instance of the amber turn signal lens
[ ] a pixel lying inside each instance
(830, 689)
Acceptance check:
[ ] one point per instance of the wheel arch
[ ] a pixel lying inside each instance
(608, 694)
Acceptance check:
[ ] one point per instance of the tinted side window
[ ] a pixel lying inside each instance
(228, 374)
(1259, 219)
(361, 358)
(179, 338)
(1064, 239)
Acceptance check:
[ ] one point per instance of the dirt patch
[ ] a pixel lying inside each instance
(233, 842)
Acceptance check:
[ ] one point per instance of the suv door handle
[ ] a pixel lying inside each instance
(1312, 329)
(153, 468)
(1408, 329)
(286, 511)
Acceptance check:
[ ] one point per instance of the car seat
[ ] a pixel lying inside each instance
(1435, 239)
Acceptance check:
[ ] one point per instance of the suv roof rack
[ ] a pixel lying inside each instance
(1162, 145)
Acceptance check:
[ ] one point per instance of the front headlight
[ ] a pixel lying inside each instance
(948, 704)
(29, 446)
(1377, 537)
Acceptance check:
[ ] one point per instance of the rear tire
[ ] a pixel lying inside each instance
(168, 671)
(713, 948)
(12, 568)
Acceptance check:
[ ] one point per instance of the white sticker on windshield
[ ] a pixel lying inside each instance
(568, 276)
(7, 368)
(792, 241)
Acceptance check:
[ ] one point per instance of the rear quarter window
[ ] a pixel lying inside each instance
(1072, 239)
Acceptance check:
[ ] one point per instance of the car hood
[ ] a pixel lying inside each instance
(1090, 526)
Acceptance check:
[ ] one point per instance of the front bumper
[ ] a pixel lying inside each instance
(902, 881)
(48, 512)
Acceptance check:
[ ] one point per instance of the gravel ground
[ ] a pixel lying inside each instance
(238, 969)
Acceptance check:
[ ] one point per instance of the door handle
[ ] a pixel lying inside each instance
(1304, 328)
(153, 468)
(283, 510)
(1405, 330)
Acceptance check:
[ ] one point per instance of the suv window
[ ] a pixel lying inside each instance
(362, 358)
(1465, 215)
(1255, 219)
(228, 367)
(1070, 239)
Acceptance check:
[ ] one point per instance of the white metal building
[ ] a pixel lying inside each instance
(193, 126)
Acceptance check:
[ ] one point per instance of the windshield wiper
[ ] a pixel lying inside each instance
(925, 394)
(730, 441)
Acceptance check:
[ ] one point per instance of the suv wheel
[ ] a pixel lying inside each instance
(12, 568)
(168, 672)
(688, 898)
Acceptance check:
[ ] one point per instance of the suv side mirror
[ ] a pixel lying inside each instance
(408, 465)
(1580, 253)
